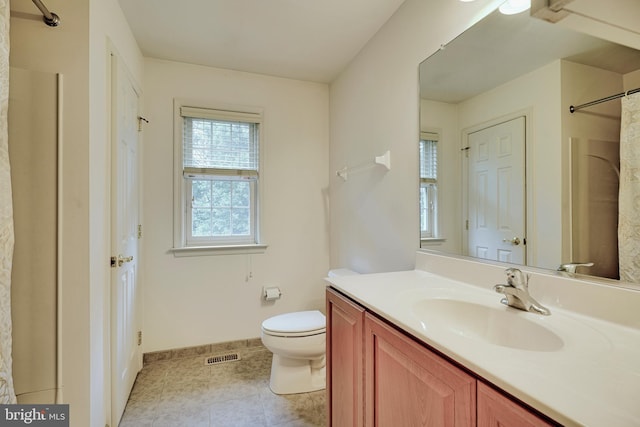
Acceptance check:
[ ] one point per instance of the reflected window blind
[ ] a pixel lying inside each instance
(428, 157)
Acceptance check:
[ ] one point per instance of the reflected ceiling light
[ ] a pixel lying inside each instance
(465, 1)
(511, 7)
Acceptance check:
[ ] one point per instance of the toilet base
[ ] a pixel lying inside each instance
(291, 376)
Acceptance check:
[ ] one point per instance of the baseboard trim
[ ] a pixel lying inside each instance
(200, 350)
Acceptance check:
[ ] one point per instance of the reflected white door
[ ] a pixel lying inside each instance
(126, 358)
(496, 192)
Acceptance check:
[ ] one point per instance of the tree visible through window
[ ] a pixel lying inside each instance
(428, 185)
(220, 208)
(220, 162)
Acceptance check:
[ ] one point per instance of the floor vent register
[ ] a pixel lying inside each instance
(224, 358)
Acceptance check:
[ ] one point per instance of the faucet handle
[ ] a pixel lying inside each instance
(517, 278)
(571, 267)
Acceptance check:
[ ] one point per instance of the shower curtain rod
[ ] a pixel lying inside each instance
(49, 18)
(598, 101)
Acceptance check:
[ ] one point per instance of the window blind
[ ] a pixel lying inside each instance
(220, 143)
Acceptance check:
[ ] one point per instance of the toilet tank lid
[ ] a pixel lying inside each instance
(299, 321)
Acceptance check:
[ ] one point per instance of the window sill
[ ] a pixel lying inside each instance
(431, 242)
(218, 250)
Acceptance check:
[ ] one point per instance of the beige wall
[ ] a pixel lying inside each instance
(198, 300)
(613, 20)
(33, 153)
(374, 108)
(632, 80)
(550, 125)
(65, 50)
(444, 118)
(536, 94)
(374, 216)
(591, 226)
(83, 189)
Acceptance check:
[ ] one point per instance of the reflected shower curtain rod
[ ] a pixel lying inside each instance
(49, 18)
(598, 101)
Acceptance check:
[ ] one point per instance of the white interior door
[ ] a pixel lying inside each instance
(126, 358)
(496, 192)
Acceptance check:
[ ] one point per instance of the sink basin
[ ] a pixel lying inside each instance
(501, 326)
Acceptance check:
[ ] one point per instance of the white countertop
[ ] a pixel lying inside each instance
(591, 377)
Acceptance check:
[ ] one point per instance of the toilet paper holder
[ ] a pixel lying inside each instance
(271, 293)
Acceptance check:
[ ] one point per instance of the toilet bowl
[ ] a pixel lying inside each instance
(297, 341)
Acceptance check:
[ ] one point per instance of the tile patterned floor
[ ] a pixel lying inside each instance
(185, 392)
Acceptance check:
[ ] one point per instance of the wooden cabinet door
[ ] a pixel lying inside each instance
(408, 385)
(345, 323)
(497, 410)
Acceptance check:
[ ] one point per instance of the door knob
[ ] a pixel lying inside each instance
(123, 259)
(515, 241)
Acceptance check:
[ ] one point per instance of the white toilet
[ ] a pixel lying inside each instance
(297, 341)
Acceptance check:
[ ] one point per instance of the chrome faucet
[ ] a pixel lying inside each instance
(517, 295)
(571, 267)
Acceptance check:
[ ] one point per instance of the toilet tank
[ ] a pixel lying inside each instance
(341, 272)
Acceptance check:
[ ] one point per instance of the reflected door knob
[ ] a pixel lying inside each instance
(515, 241)
(123, 259)
(119, 260)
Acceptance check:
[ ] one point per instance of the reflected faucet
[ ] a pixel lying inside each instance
(517, 295)
(571, 267)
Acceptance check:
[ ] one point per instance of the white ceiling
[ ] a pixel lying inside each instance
(301, 39)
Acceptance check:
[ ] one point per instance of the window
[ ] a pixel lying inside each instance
(219, 165)
(428, 185)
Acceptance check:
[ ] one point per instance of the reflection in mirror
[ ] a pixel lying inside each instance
(507, 172)
(428, 185)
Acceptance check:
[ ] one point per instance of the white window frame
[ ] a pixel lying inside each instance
(426, 183)
(183, 243)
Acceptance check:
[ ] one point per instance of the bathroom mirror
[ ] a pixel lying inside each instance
(500, 94)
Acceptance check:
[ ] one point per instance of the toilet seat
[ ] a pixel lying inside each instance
(297, 324)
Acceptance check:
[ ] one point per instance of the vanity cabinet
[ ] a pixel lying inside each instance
(345, 326)
(379, 376)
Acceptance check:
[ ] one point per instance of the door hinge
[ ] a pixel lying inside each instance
(139, 337)
(466, 224)
(140, 120)
(114, 262)
(139, 231)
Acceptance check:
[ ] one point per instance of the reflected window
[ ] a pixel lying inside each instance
(428, 185)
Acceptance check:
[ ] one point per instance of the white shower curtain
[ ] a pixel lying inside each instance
(7, 394)
(629, 198)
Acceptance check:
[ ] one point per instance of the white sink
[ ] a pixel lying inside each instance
(503, 326)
